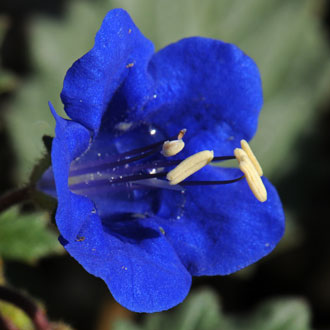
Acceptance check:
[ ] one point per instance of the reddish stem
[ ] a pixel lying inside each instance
(36, 315)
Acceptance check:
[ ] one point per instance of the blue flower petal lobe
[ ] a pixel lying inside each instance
(136, 261)
(222, 228)
(71, 140)
(209, 87)
(119, 56)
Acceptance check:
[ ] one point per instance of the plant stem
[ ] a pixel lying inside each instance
(15, 197)
(36, 315)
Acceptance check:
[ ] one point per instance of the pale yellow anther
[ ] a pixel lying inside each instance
(251, 174)
(240, 154)
(189, 166)
(245, 146)
(171, 148)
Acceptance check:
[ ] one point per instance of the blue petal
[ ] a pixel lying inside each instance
(221, 229)
(140, 267)
(209, 87)
(70, 141)
(132, 256)
(93, 79)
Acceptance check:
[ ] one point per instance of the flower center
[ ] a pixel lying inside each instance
(149, 167)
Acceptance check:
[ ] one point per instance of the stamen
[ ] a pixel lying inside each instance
(121, 159)
(171, 148)
(252, 177)
(210, 183)
(189, 166)
(182, 133)
(116, 173)
(245, 146)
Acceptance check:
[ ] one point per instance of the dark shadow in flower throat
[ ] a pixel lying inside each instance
(128, 227)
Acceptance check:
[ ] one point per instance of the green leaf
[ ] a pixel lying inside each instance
(201, 311)
(26, 237)
(281, 314)
(125, 325)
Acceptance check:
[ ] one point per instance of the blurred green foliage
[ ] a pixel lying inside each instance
(25, 237)
(8, 82)
(201, 311)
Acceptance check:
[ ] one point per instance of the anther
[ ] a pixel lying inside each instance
(245, 146)
(171, 148)
(251, 174)
(189, 166)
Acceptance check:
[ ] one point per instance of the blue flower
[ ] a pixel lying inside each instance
(117, 214)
